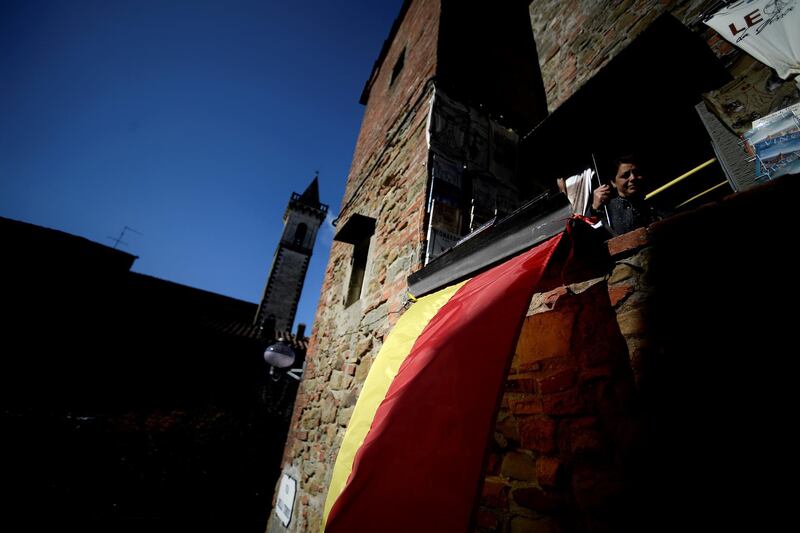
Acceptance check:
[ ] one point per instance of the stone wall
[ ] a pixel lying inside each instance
(570, 426)
(637, 399)
(387, 182)
(565, 420)
(576, 38)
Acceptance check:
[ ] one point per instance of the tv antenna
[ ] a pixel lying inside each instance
(118, 240)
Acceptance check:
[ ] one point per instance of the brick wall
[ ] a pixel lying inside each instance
(576, 38)
(636, 401)
(387, 182)
(564, 422)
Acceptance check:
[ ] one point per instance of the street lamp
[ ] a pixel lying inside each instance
(281, 356)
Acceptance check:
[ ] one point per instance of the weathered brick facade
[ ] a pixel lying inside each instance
(565, 416)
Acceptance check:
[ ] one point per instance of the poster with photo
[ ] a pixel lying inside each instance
(754, 92)
(447, 171)
(780, 115)
(439, 242)
(502, 152)
(478, 142)
(449, 124)
(779, 155)
(446, 217)
(484, 194)
(776, 125)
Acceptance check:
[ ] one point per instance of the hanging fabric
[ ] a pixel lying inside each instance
(578, 189)
(768, 30)
(412, 455)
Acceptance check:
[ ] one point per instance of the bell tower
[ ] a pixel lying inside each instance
(302, 219)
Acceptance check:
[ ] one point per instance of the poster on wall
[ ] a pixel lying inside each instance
(779, 156)
(775, 141)
(285, 502)
(484, 195)
(446, 215)
(478, 142)
(754, 92)
(449, 123)
(446, 171)
(768, 30)
(502, 152)
(439, 242)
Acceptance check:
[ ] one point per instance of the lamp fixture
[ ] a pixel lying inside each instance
(280, 357)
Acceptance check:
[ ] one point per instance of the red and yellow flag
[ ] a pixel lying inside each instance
(412, 456)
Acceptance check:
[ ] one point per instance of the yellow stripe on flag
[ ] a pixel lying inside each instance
(383, 371)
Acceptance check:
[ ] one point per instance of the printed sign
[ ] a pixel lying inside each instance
(285, 503)
(439, 242)
(768, 30)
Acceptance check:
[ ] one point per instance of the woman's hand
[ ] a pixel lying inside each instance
(601, 196)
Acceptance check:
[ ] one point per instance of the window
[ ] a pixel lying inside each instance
(356, 231)
(398, 66)
(300, 234)
(358, 269)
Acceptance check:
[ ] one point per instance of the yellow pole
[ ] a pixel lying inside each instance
(696, 196)
(680, 178)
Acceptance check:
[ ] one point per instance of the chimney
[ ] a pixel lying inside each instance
(301, 331)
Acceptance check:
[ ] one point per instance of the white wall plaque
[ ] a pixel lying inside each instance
(285, 503)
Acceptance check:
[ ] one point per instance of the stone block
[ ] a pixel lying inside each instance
(558, 381)
(519, 466)
(622, 272)
(310, 418)
(628, 242)
(544, 336)
(486, 519)
(631, 323)
(618, 294)
(344, 416)
(521, 383)
(508, 427)
(495, 493)
(521, 524)
(536, 499)
(328, 413)
(537, 433)
(563, 403)
(548, 470)
(524, 404)
(363, 369)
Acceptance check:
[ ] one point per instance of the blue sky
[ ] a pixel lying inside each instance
(190, 121)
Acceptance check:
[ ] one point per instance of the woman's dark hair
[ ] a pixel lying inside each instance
(626, 159)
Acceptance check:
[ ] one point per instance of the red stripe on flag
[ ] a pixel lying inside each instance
(420, 464)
